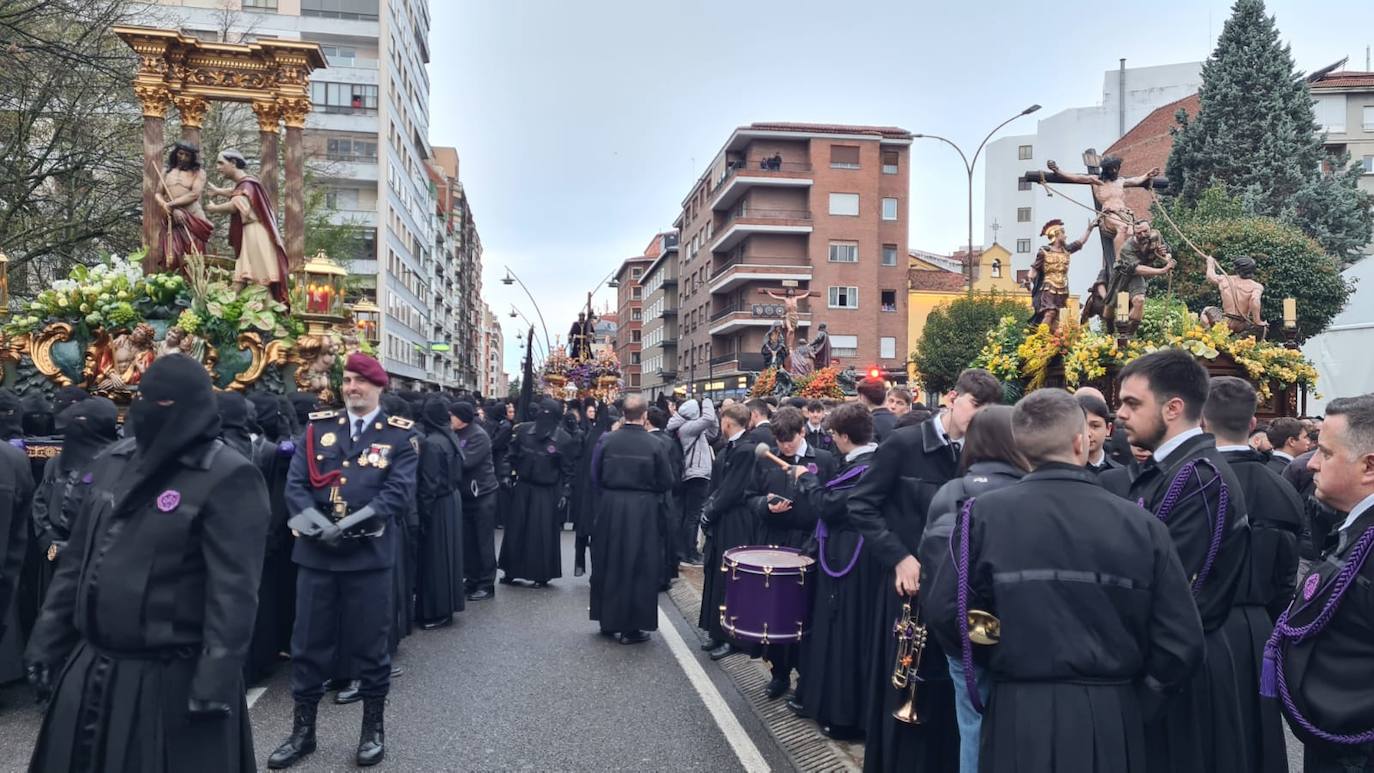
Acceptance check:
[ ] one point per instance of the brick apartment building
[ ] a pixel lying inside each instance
(630, 316)
(817, 209)
(659, 356)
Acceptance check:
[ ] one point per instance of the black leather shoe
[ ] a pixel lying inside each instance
(541, 584)
(480, 595)
(430, 625)
(397, 671)
(372, 740)
(301, 742)
(710, 644)
(578, 570)
(794, 706)
(349, 694)
(777, 687)
(634, 637)
(721, 651)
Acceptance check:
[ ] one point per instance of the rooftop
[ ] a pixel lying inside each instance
(935, 281)
(1349, 79)
(1148, 144)
(891, 132)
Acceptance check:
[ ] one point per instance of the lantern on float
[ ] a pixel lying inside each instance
(368, 317)
(319, 293)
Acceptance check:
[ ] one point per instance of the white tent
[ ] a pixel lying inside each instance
(1342, 353)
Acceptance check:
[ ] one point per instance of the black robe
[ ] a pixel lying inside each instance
(531, 548)
(277, 588)
(1097, 621)
(56, 502)
(439, 588)
(153, 605)
(18, 487)
(834, 688)
(1328, 674)
(794, 527)
(727, 523)
(889, 508)
(1205, 728)
(669, 514)
(1275, 522)
(582, 507)
(500, 433)
(633, 475)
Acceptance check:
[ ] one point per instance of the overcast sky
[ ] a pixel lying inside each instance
(581, 126)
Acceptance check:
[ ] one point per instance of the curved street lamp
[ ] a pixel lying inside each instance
(509, 279)
(969, 165)
(515, 312)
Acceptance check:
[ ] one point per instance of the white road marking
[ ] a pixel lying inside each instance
(254, 693)
(745, 749)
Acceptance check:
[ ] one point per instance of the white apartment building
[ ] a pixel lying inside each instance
(494, 381)
(1014, 212)
(368, 143)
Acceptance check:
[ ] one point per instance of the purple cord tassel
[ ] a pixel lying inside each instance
(1269, 678)
(965, 644)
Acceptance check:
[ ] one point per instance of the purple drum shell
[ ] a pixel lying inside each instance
(768, 594)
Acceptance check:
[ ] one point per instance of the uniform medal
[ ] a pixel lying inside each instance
(328, 439)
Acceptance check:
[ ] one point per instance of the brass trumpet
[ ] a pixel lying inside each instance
(984, 627)
(911, 644)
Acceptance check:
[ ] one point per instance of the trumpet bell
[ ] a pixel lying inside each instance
(983, 627)
(907, 713)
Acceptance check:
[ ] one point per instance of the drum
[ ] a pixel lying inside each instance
(767, 594)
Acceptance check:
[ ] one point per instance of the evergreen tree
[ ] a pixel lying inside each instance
(1256, 133)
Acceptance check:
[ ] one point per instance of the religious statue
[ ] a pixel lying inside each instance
(791, 317)
(185, 228)
(120, 365)
(820, 348)
(318, 355)
(774, 348)
(1048, 280)
(1240, 298)
(799, 362)
(177, 341)
(1143, 256)
(580, 336)
(261, 255)
(1109, 193)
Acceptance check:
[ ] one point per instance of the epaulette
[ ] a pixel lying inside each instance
(397, 421)
(318, 415)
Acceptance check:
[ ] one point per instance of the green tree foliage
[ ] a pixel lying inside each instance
(1291, 264)
(955, 332)
(1256, 133)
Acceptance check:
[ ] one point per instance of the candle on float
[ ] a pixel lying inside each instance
(1290, 313)
(1123, 305)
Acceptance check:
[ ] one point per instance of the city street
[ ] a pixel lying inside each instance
(521, 682)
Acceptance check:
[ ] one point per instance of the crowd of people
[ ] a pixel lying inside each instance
(1054, 585)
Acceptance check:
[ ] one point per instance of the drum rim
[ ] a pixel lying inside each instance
(806, 563)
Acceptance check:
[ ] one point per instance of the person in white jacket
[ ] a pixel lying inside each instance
(695, 426)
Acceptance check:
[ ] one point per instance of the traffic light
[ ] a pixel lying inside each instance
(892, 377)
(875, 373)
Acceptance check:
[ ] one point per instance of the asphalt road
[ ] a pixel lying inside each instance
(520, 682)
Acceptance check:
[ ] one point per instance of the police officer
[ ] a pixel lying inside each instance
(347, 492)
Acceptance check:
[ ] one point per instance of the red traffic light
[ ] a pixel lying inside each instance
(875, 373)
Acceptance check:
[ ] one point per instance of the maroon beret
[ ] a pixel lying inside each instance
(367, 367)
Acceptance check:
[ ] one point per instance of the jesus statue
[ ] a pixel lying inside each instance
(261, 256)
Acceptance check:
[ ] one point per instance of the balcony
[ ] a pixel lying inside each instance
(738, 316)
(737, 362)
(741, 269)
(746, 221)
(740, 177)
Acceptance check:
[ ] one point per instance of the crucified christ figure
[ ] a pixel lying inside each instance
(791, 316)
(1109, 192)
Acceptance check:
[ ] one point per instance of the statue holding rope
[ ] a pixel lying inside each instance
(1144, 255)
(1240, 298)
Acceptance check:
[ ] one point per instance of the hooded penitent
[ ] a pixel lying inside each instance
(268, 409)
(435, 416)
(86, 428)
(10, 423)
(302, 404)
(547, 413)
(36, 415)
(66, 397)
(234, 420)
(173, 413)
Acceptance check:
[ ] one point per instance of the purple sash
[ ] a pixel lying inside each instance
(823, 532)
(1171, 500)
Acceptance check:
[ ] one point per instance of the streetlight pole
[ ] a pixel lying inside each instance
(516, 312)
(969, 165)
(509, 279)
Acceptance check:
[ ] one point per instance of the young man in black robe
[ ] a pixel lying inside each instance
(152, 606)
(633, 474)
(1320, 661)
(785, 519)
(542, 459)
(479, 503)
(1187, 484)
(726, 520)
(833, 688)
(1097, 620)
(1275, 515)
(1099, 429)
(889, 508)
(760, 420)
(656, 421)
(439, 572)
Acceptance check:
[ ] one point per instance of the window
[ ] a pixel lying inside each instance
(636, 273)
(260, 5)
(844, 252)
(1023, 214)
(1368, 162)
(996, 268)
(1330, 111)
(1023, 246)
(636, 293)
(844, 204)
(344, 97)
(341, 198)
(889, 254)
(636, 315)
(889, 162)
(1023, 185)
(844, 297)
(634, 358)
(889, 300)
(1023, 152)
(844, 156)
(889, 209)
(365, 10)
(1367, 121)
(887, 348)
(348, 149)
(635, 336)
(634, 379)
(844, 346)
